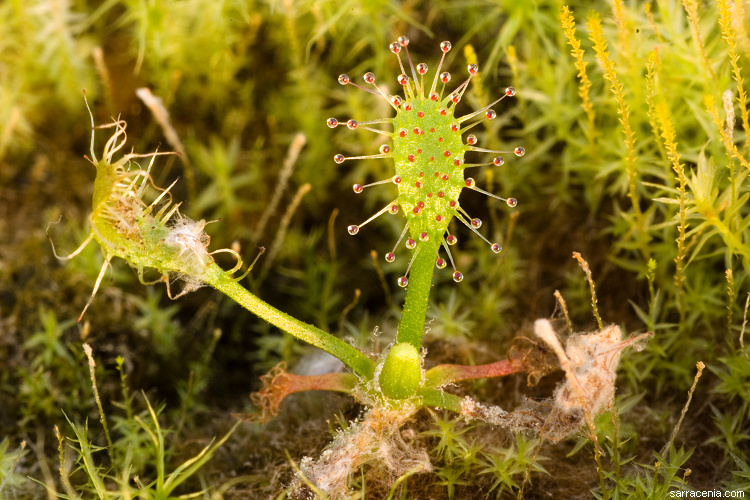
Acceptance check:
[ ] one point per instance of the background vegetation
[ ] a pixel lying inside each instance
(634, 121)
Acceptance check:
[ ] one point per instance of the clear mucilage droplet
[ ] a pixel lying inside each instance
(343, 79)
(353, 229)
(445, 46)
(403, 281)
(332, 122)
(458, 277)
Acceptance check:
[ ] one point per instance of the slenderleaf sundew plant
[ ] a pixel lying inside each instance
(369, 241)
(429, 148)
(429, 157)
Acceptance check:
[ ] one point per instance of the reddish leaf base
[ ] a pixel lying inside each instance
(442, 375)
(278, 384)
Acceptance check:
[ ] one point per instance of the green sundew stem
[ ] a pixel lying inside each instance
(351, 357)
(417, 296)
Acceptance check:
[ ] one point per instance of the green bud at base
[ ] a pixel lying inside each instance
(401, 373)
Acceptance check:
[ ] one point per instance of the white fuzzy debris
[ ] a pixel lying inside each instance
(191, 241)
(491, 414)
(590, 363)
(468, 406)
(375, 439)
(594, 359)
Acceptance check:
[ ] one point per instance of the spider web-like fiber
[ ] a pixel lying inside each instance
(375, 439)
